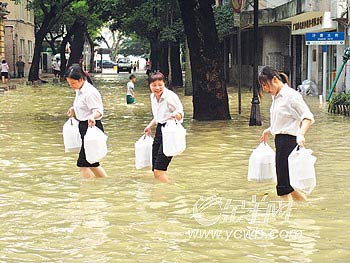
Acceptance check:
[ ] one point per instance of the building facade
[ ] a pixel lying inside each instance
(3, 13)
(282, 29)
(19, 35)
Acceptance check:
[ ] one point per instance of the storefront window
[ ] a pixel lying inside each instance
(30, 51)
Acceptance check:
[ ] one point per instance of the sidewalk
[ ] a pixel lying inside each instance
(49, 77)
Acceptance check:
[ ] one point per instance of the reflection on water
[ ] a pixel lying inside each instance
(49, 214)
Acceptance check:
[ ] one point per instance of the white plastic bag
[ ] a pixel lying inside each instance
(174, 138)
(143, 152)
(71, 136)
(95, 144)
(301, 164)
(262, 166)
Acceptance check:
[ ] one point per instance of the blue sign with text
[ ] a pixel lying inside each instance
(325, 38)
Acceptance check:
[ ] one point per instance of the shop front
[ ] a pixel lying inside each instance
(308, 61)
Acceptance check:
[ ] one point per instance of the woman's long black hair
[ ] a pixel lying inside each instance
(267, 74)
(76, 72)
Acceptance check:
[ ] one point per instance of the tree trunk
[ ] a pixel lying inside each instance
(92, 51)
(67, 38)
(210, 101)
(155, 52)
(164, 65)
(39, 38)
(170, 75)
(63, 67)
(77, 43)
(175, 64)
(188, 72)
(153, 57)
(34, 68)
(50, 19)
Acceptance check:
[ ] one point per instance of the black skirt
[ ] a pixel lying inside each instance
(5, 74)
(159, 160)
(285, 144)
(83, 126)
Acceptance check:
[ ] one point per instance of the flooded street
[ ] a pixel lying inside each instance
(49, 213)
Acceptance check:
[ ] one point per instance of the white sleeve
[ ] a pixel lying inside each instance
(94, 102)
(175, 105)
(300, 110)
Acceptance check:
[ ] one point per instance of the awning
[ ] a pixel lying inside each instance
(311, 22)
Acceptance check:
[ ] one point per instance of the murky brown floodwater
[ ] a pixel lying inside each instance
(49, 214)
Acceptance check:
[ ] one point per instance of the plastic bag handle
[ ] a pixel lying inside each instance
(71, 120)
(175, 120)
(145, 136)
(299, 147)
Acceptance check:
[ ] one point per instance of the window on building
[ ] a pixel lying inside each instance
(22, 7)
(21, 48)
(30, 51)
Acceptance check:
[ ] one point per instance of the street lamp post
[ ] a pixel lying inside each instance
(255, 119)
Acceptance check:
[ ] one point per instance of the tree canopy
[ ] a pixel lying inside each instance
(224, 20)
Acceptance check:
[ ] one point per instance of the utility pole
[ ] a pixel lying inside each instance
(255, 119)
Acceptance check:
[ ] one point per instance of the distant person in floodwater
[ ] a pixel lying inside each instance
(20, 67)
(130, 95)
(56, 67)
(4, 71)
(148, 67)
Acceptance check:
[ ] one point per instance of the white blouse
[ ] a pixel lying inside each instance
(87, 101)
(168, 104)
(287, 111)
(130, 87)
(4, 67)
